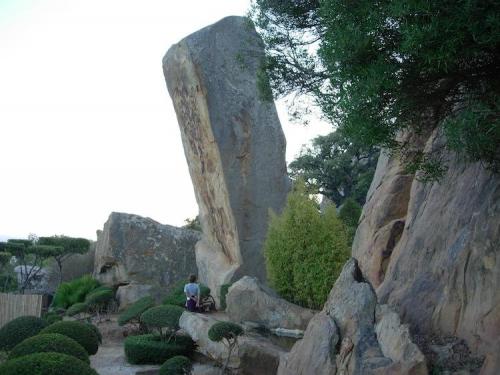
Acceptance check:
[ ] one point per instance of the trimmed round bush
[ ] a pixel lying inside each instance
(178, 298)
(20, 329)
(134, 311)
(151, 349)
(96, 331)
(224, 330)
(178, 365)
(165, 316)
(99, 297)
(82, 333)
(46, 364)
(50, 342)
(51, 317)
(77, 308)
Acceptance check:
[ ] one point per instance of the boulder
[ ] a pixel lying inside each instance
(248, 300)
(348, 337)
(130, 293)
(254, 356)
(233, 143)
(144, 253)
(431, 249)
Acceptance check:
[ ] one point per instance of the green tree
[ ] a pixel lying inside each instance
(64, 248)
(305, 250)
(30, 256)
(336, 168)
(377, 68)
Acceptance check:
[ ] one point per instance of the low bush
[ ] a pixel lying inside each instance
(177, 296)
(164, 319)
(50, 342)
(133, 313)
(151, 349)
(51, 317)
(178, 365)
(97, 300)
(46, 364)
(82, 333)
(96, 331)
(224, 330)
(77, 308)
(20, 329)
(75, 291)
(223, 292)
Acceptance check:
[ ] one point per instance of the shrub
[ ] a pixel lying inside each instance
(77, 308)
(177, 296)
(163, 318)
(178, 365)
(99, 298)
(82, 333)
(46, 364)
(305, 250)
(223, 292)
(228, 333)
(349, 213)
(19, 329)
(75, 291)
(51, 317)
(50, 342)
(133, 312)
(151, 349)
(96, 331)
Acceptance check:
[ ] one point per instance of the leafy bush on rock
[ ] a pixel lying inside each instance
(133, 313)
(46, 364)
(151, 349)
(75, 291)
(224, 288)
(228, 333)
(20, 329)
(77, 308)
(82, 333)
(50, 342)
(178, 365)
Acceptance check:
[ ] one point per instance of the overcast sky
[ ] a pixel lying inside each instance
(86, 123)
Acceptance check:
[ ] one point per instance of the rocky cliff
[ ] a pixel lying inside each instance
(233, 143)
(431, 250)
(142, 255)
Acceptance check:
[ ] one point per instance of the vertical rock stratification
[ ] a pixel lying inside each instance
(233, 142)
(432, 250)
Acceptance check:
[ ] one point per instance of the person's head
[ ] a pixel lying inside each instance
(192, 278)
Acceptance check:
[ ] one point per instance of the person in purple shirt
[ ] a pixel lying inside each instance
(192, 292)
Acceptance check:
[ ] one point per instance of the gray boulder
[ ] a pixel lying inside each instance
(233, 143)
(249, 301)
(140, 251)
(354, 335)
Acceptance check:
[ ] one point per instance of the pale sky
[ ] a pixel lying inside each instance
(86, 123)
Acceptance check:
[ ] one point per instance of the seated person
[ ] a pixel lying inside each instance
(192, 292)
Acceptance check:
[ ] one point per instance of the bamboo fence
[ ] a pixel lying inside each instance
(15, 305)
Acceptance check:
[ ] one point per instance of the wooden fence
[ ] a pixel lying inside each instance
(15, 305)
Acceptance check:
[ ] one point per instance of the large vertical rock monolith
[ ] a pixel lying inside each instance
(233, 143)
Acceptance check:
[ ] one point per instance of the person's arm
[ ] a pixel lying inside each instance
(198, 297)
(186, 292)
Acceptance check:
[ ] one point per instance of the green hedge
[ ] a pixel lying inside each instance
(46, 364)
(165, 316)
(77, 308)
(134, 311)
(177, 296)
(20, 329)
(96, 331)
(178, 365)
(224, 330)
(51, 317)
(99, 297)
(50, 342)
(151, 349)
(82, 333)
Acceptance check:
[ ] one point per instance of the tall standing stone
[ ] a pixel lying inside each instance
(233, 142)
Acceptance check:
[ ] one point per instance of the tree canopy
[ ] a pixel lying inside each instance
(377, 68)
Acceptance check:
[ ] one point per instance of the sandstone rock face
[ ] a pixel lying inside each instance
(254, 356)
(348, 337)
(139, 251)
(233, 142)
(248, 300)
(432, 249)
(130, 293)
